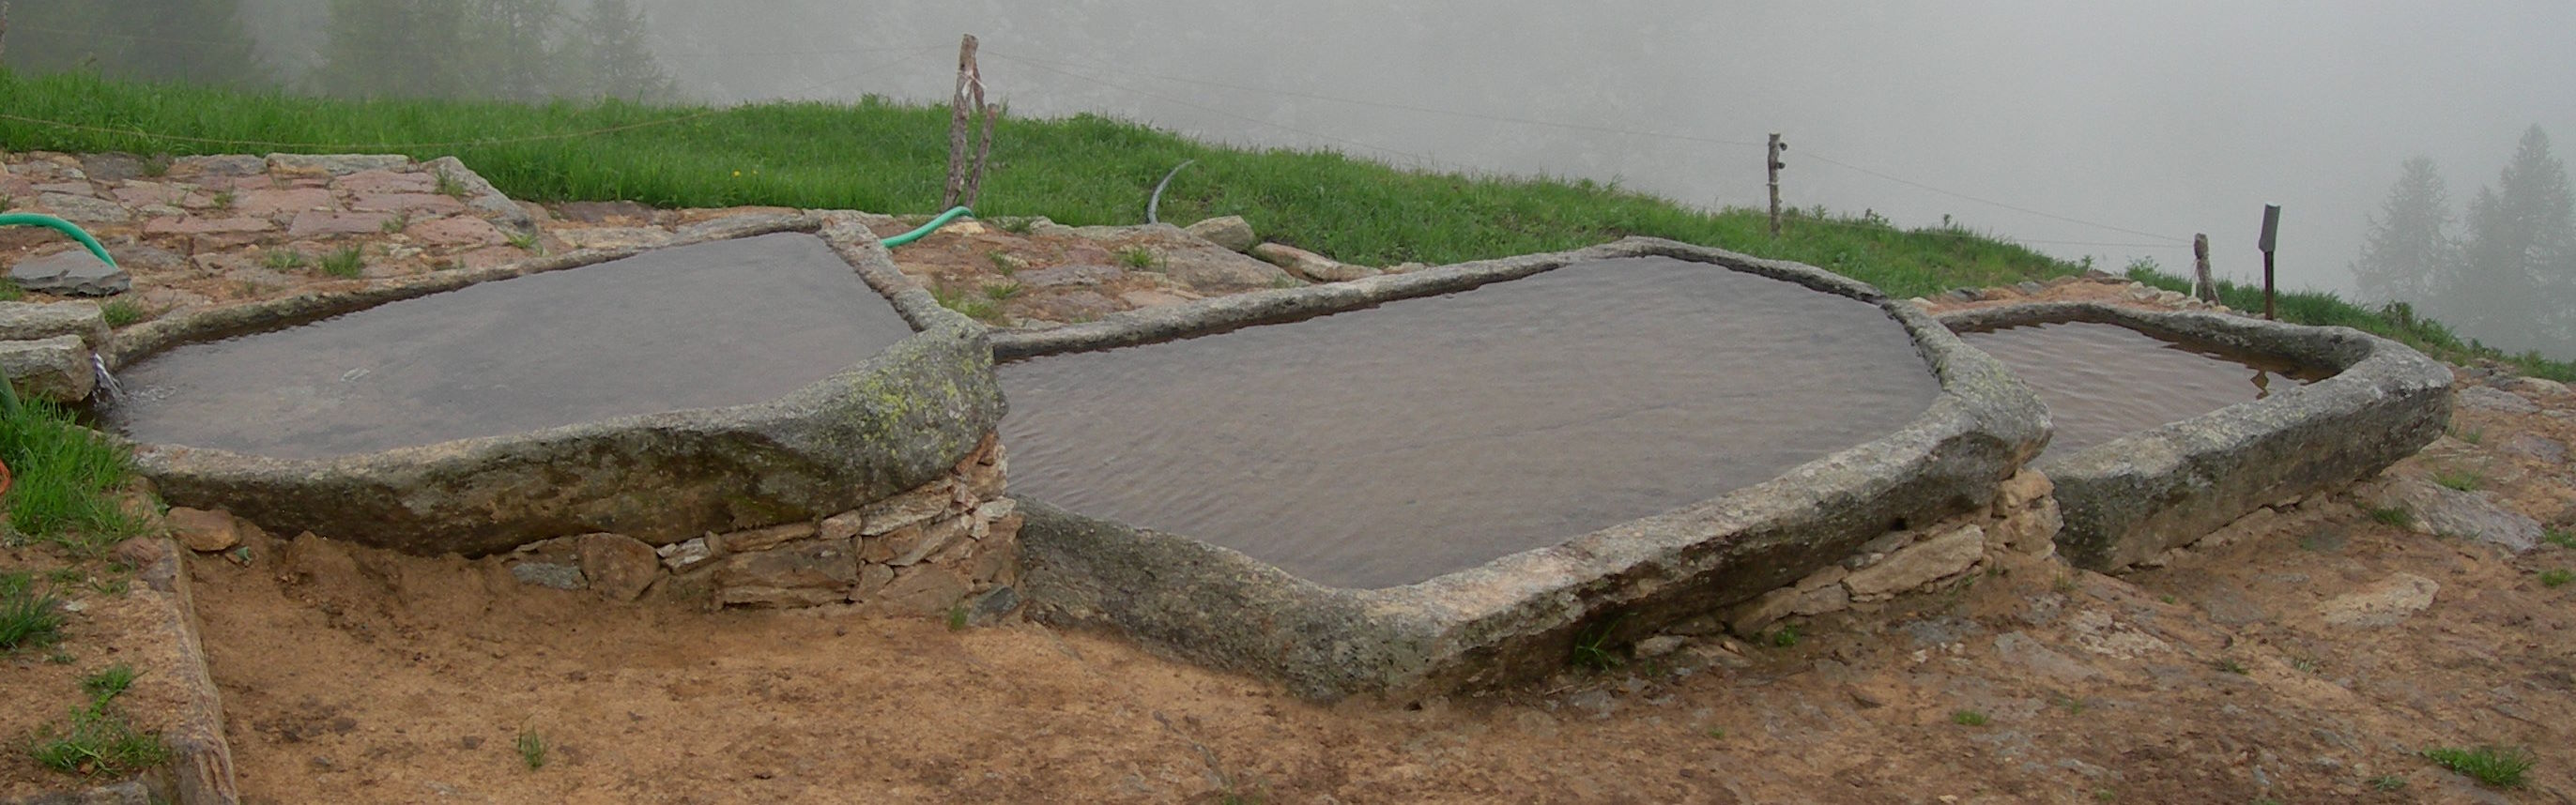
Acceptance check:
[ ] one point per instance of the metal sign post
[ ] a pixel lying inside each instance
(2271, 237)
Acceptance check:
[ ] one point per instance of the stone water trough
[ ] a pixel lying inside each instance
(2127, 501)
(875, 476)
(1932, 476)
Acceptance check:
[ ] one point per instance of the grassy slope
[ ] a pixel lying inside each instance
(887, 157)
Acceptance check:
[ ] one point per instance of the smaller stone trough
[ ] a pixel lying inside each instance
(1931, 486)
(880, 482)
(2127, 501)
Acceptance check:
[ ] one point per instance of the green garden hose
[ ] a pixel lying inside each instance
(935, 223)
(66, 227)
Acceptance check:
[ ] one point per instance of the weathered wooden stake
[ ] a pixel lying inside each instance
(2271, 238)
(2201, 287)
(1771, 164)
(983, 149)
(962, 107)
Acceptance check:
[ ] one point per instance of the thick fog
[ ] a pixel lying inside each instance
(2146, 122)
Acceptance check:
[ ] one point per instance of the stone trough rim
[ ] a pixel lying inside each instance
(938, 333)
(2369, 371)
(1430, 627)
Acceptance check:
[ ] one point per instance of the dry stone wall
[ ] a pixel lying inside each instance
(926, 551)
(2020, 527)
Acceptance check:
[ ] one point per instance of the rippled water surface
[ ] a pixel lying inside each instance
(715, 324)
(2105, 381)
(1385, 446)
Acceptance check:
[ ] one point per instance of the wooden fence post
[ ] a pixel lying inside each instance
(970, 89)
(1771, 164)
(2201, 286)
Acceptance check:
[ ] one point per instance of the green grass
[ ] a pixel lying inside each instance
(2498, 766)
(121, 312)
(2470, 435)
(67, 477)
(1968, 718)
(283, 259)
(1593, 650)
(1140, 258)
(2556, 578)
(2560, 537)
(2396, 516)
(346, 263)
(1786, 636)
(523, 241)
(2388, 782)
(9, 290)
(889, 157)
(974, 306)
(1002, 291)
(28, 615)
(98, 739)
(2232, 665)
(2461, 480)
(532, 749)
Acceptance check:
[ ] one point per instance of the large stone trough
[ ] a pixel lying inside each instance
(895, 421)
(2129, 500)
(1520, 616)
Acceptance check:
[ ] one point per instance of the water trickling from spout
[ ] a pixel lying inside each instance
(108, 390)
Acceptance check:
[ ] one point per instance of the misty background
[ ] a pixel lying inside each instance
(2114, 133)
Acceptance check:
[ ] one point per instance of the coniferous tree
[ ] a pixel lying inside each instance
(202, 41)
(614, 59)
(2409, 251)
(2518, 275)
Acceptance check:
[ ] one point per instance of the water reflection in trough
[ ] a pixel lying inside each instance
(715, 324)
(1385, 446)
(2104, 381)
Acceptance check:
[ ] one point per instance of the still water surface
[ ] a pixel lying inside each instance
(1385, 446)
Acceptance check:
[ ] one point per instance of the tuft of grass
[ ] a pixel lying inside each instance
(345, 263)
(1593, 650)
(9, 290)
(1140, 258)
(2469, 435)
(532, 748)
(223, 200)
(2497, 766)
(2396, 516)
(109, 682)
(283, 259)
(2307, 665)
(1786, 637)
(28, 617)
(156, 166)
(957, 618)
(1968, 718)
(450, 186)
(2231, 665)
(2560, 537)
(2460, 480)
(523, 241)
(395, 224)
(98, 739)
(1003, 262)
(973, 306)
(68, 477)
(121, 312)
(2388, 782)
(1002, 291)
(1019, 225)
(2556, 577)
(1718, 733)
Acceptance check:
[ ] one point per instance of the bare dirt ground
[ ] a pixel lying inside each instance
(353, 675)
